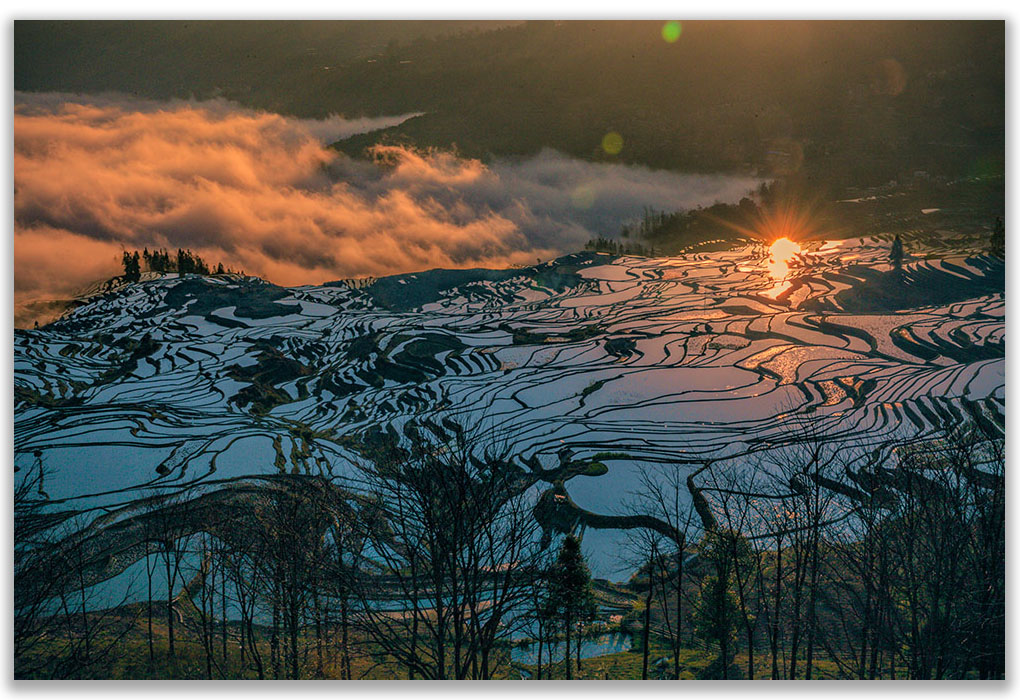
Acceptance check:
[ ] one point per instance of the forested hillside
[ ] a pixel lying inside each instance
(845, 103)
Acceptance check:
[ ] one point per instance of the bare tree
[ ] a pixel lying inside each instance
(663, 494)
(36, 581)
(646, 546)
(240, 561)
(166, 516)
(448, 536)
(806, 469)
(290, 524)
(735, 495)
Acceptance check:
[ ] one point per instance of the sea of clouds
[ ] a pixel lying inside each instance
(262, 192)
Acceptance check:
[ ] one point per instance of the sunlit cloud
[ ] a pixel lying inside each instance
(263, 193)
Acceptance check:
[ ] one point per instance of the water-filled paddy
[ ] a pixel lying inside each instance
(663, 360)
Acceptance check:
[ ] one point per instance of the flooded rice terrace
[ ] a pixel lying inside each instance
(701, 357)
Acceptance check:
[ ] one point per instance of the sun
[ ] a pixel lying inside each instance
(781, 252)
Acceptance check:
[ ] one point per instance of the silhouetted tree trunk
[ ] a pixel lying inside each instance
(646, 628)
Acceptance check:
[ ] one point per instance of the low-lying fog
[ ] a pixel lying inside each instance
(262, 192)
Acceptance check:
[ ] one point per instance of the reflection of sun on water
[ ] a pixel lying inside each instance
(781, 252)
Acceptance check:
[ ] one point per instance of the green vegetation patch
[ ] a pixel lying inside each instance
(252, 299)
(524, 336)
(272, 368)
(411, 291)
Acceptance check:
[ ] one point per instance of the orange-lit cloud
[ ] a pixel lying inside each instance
(261, 192)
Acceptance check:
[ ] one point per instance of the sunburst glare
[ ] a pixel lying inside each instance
(781, 252)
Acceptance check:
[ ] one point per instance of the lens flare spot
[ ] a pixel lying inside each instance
(612, 143)
(671, 31)
(889, 77)
(583, 197)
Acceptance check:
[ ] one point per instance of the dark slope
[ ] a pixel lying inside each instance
(856, 102)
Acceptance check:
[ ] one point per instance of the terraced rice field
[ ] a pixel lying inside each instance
(701, 357)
